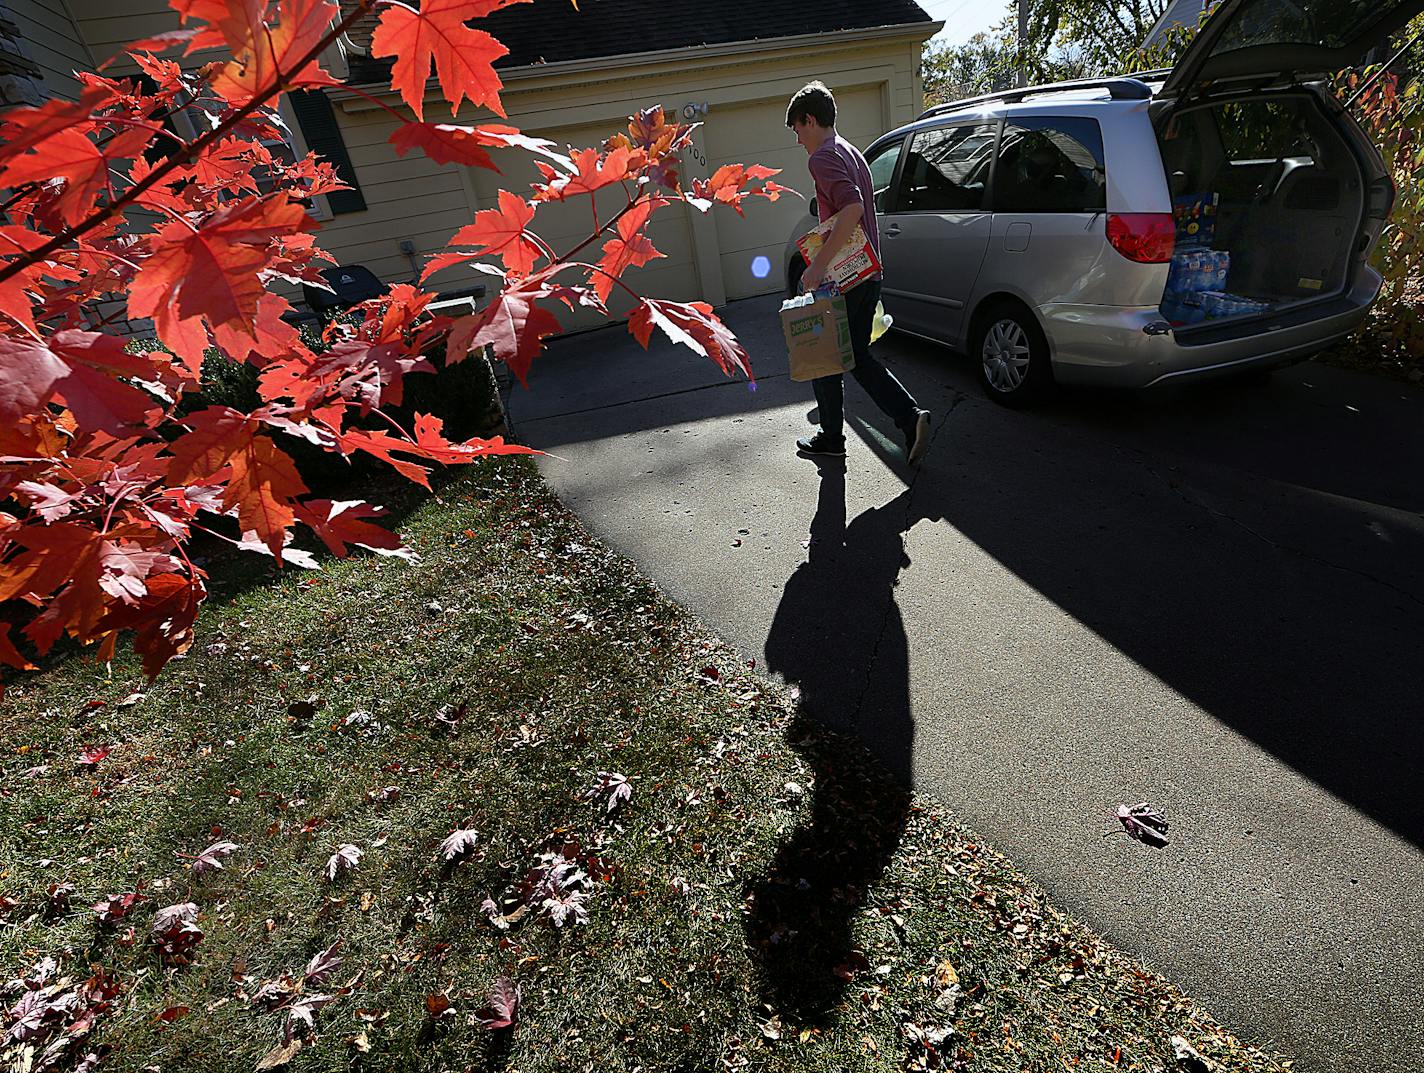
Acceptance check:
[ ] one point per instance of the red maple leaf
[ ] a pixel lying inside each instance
(339, 524)
(26, 128)
(463, 57)
(444, 143)
(501, 232)
(162, 621)
(77, 368)
(83, 164)
(382, 445)
(10, 654)
(694, 325)
(369, 373)
(630, 249)
(236, 23)
(263, 486)
(216, 434)
(212, 270)
(160, 42)
(512, 324)
(593, 171)
(273, 53)
(430, 438)
(447, 143)
(501, 1010)
(54, 555)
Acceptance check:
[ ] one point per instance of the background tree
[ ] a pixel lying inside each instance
(106, 470)
(1099, 33)
(983, 64)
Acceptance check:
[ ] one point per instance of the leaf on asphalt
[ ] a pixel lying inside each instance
(212, 857)
(458, 843)
(322, 965)
(1144, 823)
(502, 1009)
(343, 860)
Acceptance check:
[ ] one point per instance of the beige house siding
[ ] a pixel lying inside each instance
(53, 41)
(106, 30)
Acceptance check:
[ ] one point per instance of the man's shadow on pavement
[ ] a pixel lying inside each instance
(839, 636)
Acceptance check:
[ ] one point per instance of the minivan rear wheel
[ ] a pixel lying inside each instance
(1012, 355)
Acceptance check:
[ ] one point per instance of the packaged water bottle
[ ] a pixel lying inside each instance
(1221, 268)
(1200, 274)
(1176, 272)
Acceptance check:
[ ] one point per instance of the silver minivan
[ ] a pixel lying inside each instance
(1212, 218)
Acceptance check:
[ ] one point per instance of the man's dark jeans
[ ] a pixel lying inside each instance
(879, 383)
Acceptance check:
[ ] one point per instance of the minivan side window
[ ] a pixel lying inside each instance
(947, 169)
(1051, 164)
(882, 171)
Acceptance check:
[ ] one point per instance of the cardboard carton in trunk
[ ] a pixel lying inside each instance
(817, 334)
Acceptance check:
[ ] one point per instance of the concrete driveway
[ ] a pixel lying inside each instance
(1212, 600)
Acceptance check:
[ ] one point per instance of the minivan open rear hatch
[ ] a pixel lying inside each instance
(1271, 183)
(1268, 198)
(1287, 39)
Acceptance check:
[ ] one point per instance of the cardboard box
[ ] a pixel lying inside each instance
(856, 261)
(817, 333)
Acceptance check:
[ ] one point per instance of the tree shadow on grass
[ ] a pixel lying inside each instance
(839, 637)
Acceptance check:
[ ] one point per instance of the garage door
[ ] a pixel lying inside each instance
(563, 225)
(757, 134)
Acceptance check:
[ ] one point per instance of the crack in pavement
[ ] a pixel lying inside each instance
(1194, 501)
(958, 398)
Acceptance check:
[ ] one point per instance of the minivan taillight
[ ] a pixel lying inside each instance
(1145, 237)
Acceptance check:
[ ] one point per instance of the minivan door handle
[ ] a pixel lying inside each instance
(893, 230)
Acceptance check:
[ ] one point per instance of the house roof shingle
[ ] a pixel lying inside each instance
(550, 31)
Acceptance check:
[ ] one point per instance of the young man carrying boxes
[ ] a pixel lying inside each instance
(846, 196)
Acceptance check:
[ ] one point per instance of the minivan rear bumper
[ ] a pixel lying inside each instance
(1109, 346)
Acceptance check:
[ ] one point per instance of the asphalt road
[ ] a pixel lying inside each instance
(1212, 600)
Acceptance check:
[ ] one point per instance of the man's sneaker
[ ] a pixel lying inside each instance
(821, 444)
(917, 436)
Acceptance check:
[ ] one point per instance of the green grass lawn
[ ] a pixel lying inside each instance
(766, 897)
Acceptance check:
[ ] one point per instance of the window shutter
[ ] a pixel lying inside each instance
(318, 122)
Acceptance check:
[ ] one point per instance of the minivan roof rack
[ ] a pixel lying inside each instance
(1121, 89)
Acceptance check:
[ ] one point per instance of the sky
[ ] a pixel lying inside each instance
(964, 18)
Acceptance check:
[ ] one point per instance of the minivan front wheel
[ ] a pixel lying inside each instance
(1012, 355)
